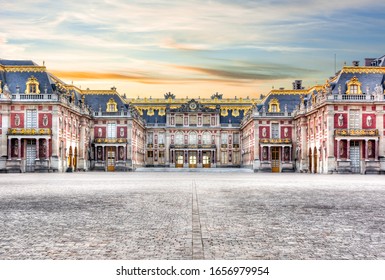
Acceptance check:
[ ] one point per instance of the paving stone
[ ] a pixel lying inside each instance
(176, 215)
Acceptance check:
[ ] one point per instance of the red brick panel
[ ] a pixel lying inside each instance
(99, 132)
(122, 132)
(287, 130)
(17, 120)
(338, 123)
(45, 120)
(264, 132)
(368, 121)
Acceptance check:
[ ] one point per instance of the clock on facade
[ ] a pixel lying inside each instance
(193, 105)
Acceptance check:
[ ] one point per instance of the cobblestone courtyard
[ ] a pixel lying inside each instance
(191, 216)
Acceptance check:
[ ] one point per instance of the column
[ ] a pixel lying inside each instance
(269, 151)
(18, 148)
(290, 156)
(366, 149)
(282, 154)
(348, 149)
(9, 148)
(102, 153)
(37, 149)
(338, 149)
(376, 149)
(47, 148)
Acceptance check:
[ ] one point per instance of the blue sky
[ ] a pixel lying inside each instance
(192, 48)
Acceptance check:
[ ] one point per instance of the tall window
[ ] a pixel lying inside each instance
(193, 140)
(206, 138)
(224, 138)
(111, 130)
(179, 138)
(31, 119)
(149, 138)
(236, 138)
(161, 138)
(275, 130)
(354, 119)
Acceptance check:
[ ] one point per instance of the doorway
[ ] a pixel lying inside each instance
(30, 155)
(355, 156)
(206, 163)
(192, 160)
(275, 160)
(110, 158)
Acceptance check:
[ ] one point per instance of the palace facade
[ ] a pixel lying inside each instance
(48, 125)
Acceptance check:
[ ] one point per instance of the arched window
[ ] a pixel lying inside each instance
(112, 106)
(179, 138)
(354, 86)
(206, 138)
(193, 139)
(274, 106)
(32, 86)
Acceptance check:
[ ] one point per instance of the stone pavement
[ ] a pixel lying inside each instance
(191, 216)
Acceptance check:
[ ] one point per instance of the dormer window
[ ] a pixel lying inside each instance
(32, 86)
(274, 106)
(112, 106)
(354, 86)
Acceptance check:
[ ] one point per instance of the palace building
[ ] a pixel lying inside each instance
(47, 125)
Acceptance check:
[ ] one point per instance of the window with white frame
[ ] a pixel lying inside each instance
(179, 138)
(206, 138)
(354, 119)
(111, 130)
(193, 139)
(224, 138)
(31, 118)
(275, 130)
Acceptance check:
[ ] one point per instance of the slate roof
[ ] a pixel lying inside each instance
(231, 119)
(94, 100)
(370, 80)
(6, 62)
(14, 79)
(155, 118)
(291, 100)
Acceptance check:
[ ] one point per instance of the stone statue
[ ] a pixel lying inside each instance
(264, 132)
(17, 120)
(369, 121)
(121, 132)
(340, 120)
(99, 132)
(286, 132)
(339, 89)
(45, 120)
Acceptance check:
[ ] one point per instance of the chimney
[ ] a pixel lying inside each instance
(356, 63)
(369, 61)
(297, 84)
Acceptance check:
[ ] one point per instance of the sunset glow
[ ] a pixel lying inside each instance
(191, 48)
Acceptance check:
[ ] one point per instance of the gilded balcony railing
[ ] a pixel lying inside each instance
(29, 131)
(110, 140)
(356, 132)
(275, 141)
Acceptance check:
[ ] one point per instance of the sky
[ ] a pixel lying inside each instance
(192, 48)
